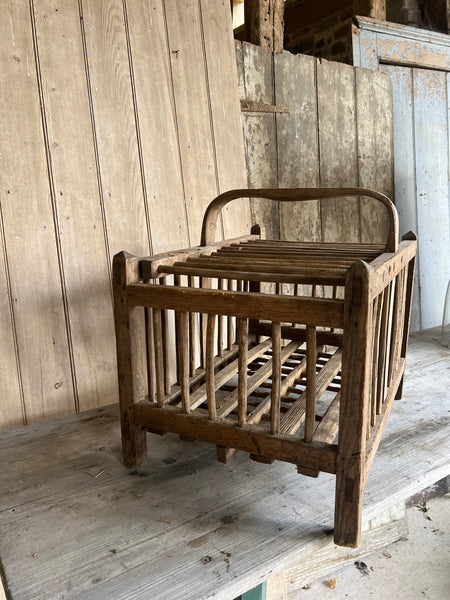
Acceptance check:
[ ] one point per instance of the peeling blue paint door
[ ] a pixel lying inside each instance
(418, 63)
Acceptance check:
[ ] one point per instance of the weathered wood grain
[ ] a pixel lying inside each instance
(297, 143)
(33, 307)
(193, 112)
(338, 150)
(375, 148)
(78, 206)
(156, 123)
(221, 73)
(259, 132)
(111, 93)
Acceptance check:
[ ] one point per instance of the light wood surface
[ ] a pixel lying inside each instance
(121, 122)
(75, 522)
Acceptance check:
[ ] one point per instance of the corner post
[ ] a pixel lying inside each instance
(130, 346)
(354, 405)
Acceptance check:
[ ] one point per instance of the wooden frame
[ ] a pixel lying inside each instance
(273, 348)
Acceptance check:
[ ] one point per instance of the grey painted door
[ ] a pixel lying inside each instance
(418, 63)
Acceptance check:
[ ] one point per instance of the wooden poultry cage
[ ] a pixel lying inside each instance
(286, 350)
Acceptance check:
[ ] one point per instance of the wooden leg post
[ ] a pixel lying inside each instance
(354, 407)
(130, 345)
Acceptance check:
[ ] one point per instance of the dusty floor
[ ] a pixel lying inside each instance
(415, 568)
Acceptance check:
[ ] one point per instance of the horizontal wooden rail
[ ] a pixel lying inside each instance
(284, 309)
(252, 439)
(149, 264)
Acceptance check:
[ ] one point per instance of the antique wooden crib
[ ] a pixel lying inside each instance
(286, 350)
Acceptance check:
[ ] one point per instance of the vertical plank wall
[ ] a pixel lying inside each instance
(338, 132)
(120, 121)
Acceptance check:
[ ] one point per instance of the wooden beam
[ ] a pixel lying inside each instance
(264, 22)
(376, 9)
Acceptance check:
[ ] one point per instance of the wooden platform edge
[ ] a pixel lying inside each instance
(330, 557)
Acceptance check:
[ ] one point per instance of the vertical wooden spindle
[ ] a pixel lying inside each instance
(311, 357)
(229, 321)
(242, 327)
(159, 355)
(151, 374)
(209, 367)
(276, 379)
(220, 285)
(184, 360)
(192, 334)
(377, 310)
(177, 282)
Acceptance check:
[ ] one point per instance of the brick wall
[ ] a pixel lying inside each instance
(328, 38)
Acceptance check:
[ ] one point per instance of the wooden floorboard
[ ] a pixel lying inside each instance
(75, 523)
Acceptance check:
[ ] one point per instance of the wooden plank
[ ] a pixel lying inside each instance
(375, 149)
(318, 311)
(329, 558)
(84, 252)
(297, 143)
(31, 288)
(193, 112)
(404, 170)
(256, 84)
(226, 121)
(10, 388)
(338, 151)
(118, 146)
(156, 122)
(432, 156)
(311, 377)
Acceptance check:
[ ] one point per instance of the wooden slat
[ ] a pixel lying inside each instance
(35, 376)
(228, 139)
(311, 397)
(317, 311)
(377, 313)
(150, 341)
(73, 169)
(307, 275)
(193, 111)
(294, 417)
(209, 367)
(256, 84)
(150, 264)
(160, 163)
(159, 355)
(183, 341)
(242, 340)
(264, 372)
(288, 382)
(226, 373)
(126, 210)
(338, 151)
(327, 430)
(375, 149)
(297, 135)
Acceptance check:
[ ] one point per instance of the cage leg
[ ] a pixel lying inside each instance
(130, 345)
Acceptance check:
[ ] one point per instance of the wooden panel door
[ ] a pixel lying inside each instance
(418, 64)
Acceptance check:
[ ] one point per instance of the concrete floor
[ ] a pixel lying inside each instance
(415, 568)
